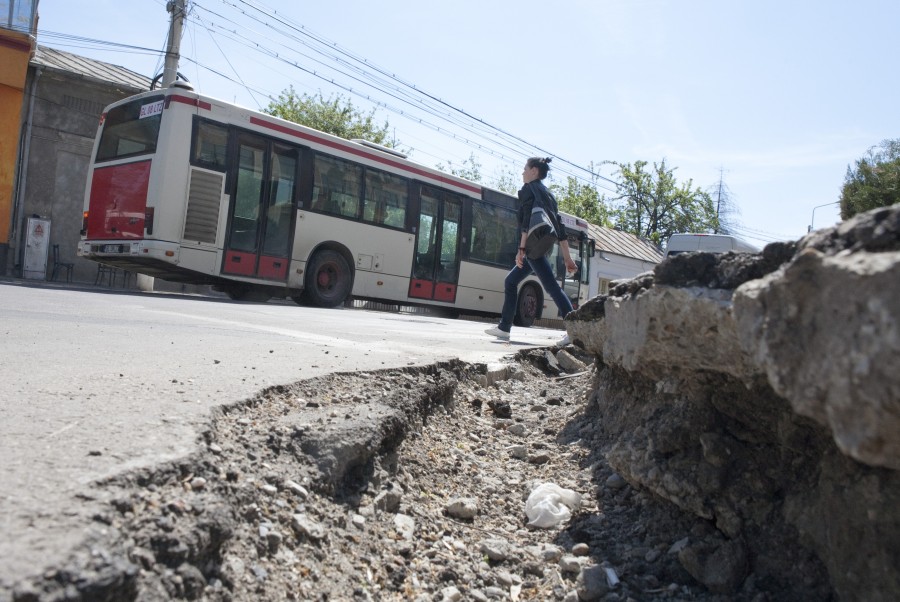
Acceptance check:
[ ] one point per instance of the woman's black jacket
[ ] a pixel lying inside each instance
(527, 195)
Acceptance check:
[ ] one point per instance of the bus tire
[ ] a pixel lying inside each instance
(328, 279)
(527, 306)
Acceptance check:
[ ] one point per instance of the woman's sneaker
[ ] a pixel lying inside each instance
(495, 331)
(564, 341)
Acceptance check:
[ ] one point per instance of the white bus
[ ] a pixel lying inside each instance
(192, 189)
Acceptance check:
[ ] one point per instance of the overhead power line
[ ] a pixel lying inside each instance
(358, 59)
(339, 64)
(64, 39)
(362, 71)
(296, 46)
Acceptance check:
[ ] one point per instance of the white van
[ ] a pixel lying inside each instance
(710, 243)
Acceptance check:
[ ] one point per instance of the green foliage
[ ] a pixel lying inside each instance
(470, 169)
(653, 205)
(875, 181)
(582, 200)
(507, 181)
(334, 115)
(504, 179)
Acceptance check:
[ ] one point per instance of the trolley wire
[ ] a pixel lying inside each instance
(423, 121)
(499, 142)
(496, 142)
(73, 41)
(225, 57)
(91, 43)
(760, 236)
(360, 77)
(399, 89)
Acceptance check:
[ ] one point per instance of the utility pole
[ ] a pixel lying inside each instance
(170, 73)
(173, 46)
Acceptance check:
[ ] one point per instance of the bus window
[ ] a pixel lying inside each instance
(131, 129)
(386, 198)
(281, 202)
(336, 186)
(495, 234)
(247, 198)
(449, 266)
(424, 267)
(210, 146)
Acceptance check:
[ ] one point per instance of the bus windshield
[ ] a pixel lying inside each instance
(131, 129)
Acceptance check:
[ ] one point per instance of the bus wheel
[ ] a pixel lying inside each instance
(527, 307)
(328, 279)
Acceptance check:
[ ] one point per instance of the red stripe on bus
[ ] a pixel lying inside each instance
(194, 102)
(359, 152)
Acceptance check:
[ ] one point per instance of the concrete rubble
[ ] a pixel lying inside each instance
(762, 393)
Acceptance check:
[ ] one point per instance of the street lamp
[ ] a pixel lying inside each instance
(813, 220)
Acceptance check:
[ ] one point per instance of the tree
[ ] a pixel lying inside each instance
(506, 180)
(469, 169)
(582, 200)
(875, 182)
(651, 204)
(334, 115)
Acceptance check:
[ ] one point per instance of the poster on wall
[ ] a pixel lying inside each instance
(37, 246)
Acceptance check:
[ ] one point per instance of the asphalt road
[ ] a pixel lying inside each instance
(94, 383)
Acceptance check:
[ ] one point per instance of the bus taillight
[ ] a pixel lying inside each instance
(148, 219)
(84, 220)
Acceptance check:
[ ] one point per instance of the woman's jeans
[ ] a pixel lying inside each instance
(541, 268)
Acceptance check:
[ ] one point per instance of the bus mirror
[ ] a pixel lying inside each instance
(591, 247)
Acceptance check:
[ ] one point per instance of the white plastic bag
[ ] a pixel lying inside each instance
(550, 505)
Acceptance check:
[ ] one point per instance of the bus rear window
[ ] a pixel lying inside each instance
(131, 129)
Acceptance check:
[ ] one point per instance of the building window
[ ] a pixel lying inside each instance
(604, 286)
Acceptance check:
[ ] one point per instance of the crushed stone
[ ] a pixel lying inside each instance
(404, 484)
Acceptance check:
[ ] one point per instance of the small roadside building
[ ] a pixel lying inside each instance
(63, 98)
(619, 255)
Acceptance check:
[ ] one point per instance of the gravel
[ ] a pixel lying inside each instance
(397, 485)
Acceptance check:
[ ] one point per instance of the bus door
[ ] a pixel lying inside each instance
(435, 270)
(262, 209)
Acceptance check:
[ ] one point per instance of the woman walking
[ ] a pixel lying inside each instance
(533, 191)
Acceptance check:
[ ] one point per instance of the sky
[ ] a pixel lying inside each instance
(772, 99)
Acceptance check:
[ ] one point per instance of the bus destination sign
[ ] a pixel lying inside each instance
(149, 110)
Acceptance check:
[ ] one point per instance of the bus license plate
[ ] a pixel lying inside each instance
(111, 249)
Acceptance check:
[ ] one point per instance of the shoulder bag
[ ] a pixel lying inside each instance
(542, 233)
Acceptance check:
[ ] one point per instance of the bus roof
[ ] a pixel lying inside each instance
(356, 149)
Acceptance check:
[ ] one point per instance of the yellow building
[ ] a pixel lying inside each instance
(18, 29)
